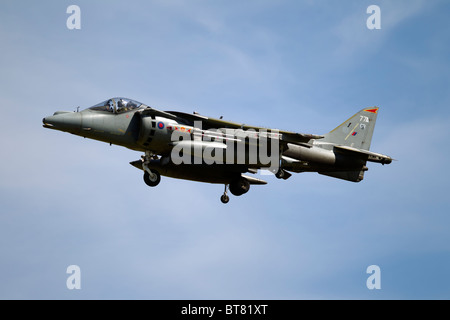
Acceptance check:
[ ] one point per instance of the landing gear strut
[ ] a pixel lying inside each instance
(225, 198)
(237, 187)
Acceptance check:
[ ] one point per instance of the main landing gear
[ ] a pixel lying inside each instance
(225, 198)
(237, 187)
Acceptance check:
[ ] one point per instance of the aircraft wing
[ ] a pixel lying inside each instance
(298, 138)
(208, 123)
(150, 112)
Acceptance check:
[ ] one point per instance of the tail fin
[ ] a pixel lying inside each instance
(356, 132)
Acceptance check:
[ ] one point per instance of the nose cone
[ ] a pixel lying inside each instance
(64, 121)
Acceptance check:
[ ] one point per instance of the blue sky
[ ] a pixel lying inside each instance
(303, 66)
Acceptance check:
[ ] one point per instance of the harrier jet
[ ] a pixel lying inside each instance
(199, 148)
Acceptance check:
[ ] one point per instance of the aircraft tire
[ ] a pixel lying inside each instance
(224, 198)
(152, 182)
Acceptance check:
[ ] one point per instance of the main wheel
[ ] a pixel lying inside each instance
(152, 181)
(224, 198)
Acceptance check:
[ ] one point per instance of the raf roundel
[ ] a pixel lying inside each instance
(161, 125)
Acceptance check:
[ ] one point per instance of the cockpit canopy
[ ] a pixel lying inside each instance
(117, 105)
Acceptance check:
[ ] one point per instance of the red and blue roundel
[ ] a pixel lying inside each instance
(161, 125)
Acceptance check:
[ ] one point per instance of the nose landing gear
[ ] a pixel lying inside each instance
(151, 177)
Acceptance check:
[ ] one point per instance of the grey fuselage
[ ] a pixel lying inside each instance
(148, 130)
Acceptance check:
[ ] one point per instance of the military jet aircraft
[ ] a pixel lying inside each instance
(199, 148)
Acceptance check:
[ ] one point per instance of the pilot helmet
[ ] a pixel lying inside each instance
(121, 104)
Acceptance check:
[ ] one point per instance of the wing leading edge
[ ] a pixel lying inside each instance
(209, 122)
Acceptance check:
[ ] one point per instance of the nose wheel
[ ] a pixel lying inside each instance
(225, 198)
(152, 179)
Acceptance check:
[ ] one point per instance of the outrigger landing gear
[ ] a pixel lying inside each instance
(225, 198)
(151, 177)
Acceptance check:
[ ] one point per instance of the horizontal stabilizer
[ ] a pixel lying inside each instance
(354, 176)
(367, 155)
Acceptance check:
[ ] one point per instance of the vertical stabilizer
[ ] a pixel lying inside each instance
(356, 132)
